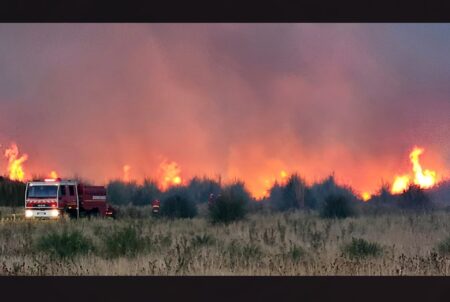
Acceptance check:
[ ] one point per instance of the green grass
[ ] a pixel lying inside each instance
(202, 240)
(361, 248)
(443, 247)
(65, 244)
(125, 241)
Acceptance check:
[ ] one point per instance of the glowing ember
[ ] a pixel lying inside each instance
(423, 178)
(15, 169)
(170, 174)
(126, 173)
(366, 196)
(53, 175)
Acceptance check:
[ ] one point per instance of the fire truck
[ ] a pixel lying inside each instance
(56, 198)
(156, 204)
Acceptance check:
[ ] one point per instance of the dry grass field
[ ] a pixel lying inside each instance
(293, 243)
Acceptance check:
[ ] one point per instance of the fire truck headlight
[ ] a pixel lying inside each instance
(54, 213)
(28, 213)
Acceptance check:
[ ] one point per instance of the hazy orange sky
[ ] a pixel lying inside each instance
(237, 100)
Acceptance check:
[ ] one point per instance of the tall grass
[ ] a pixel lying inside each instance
(287, 243)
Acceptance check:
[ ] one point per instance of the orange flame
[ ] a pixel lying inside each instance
(170, 174)
(265, 192)
(400, 184)
(53, 175)
(126, 173)
(269, 182)
(366, 196)
(15, 169)
(425, 179)
(283, 175)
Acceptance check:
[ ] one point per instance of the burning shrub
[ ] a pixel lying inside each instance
(178, 204)
(384, 195)
(292, 195)
(276, 197)
(337, 206)
(319, 192)
(146, 193)
(295, 194)
(230, 205)
(65, 245)
(361, 248)
(122, 193)
(124, 242)
(381, 203)
(199, 189)
(415, 198)
(439, 194)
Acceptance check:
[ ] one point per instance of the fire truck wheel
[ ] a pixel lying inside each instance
(94, 213)
(72, 215)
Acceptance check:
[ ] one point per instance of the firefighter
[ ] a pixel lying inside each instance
(155, 207)
(211, 200)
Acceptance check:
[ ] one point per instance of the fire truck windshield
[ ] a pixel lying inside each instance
(42, 191)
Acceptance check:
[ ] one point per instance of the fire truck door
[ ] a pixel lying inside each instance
(67, 196)
(62, 196)
(72, 198)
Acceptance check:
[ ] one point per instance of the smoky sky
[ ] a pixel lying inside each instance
(236, 100)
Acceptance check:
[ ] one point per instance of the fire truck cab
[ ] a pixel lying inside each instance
(54, 198)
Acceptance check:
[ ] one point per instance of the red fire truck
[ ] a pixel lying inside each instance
(54, 198)
(156, 204)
